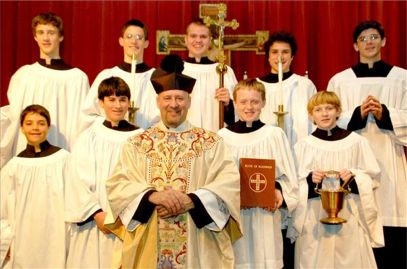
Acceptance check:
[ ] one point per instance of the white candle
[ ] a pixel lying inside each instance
(133, 63)
(280, 79)
(133, 74)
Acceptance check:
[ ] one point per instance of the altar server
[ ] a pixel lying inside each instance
(331, 148)
(374, 97)
(32, 227)
(93, 158)
(49, 82)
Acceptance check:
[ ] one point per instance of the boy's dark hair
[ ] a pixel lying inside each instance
(48, 18)
(281, 36)
(113, 86)
(135, 22)
(35, 109)
(364, 25)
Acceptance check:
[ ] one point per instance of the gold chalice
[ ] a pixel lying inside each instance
(332, 200)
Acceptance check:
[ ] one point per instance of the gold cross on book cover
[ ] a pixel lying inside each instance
(257, 177)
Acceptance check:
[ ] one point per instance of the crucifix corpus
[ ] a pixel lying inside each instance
(221, 24)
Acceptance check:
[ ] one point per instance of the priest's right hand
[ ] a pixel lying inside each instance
(318, 176)
(169, 199)
(186, 204)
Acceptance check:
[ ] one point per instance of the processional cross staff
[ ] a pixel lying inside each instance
(221, 68)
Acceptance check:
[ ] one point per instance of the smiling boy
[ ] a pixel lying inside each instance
(91, 162)
(374, 97)
(134, 39)
(296, 89)
(33, 231)
(207, 92)
(50, 82)
(331, 148)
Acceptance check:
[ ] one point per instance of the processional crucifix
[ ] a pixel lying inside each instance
(221, 68)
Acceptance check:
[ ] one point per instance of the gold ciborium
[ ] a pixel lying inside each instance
(332, 200)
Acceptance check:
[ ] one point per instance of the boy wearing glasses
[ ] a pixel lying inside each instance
(134, 40)
(374, 97)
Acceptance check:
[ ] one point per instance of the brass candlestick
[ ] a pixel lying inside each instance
(132, 113)
(280, 116)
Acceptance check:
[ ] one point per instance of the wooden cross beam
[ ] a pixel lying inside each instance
(220, 23)
(167, 42)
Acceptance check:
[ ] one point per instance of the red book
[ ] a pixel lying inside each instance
(257, 177)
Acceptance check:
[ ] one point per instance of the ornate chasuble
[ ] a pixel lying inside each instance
(169, 161)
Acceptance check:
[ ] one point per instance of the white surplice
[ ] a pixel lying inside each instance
(6, 133)
(32, 212)
(204, 111)
(297, 90)
(91, 162)
(262, 245)
(61, 92)
(142, 93)
(387, 145)
(348, 245)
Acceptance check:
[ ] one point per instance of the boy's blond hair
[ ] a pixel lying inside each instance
(324, 97)
(250, 84)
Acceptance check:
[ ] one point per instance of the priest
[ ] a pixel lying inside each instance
(174, 194)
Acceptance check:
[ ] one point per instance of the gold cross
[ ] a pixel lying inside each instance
(221, 68)
(221, 24)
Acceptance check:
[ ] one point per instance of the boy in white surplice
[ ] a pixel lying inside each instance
(330, 148)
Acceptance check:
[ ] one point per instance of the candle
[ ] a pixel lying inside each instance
(280, 79)
(133, 63)
(133, 86)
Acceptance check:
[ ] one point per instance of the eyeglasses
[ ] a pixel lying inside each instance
(365, 38)
(131, 36)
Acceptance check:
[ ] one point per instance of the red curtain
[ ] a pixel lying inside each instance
(323, 30)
